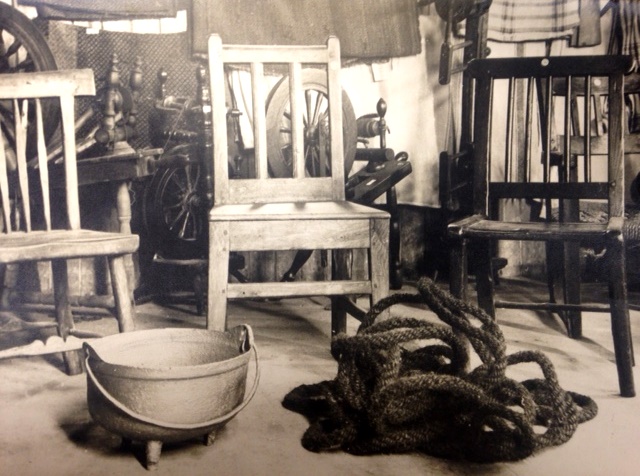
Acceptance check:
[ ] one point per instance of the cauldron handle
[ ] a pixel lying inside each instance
(185, 426)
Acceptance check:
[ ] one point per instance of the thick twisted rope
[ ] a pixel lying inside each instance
(403, 384)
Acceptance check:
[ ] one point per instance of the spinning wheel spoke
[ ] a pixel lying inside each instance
(320, 99)
(176, 205)
(12, 50)
(186, 232)
(279, 134)
(176, 220)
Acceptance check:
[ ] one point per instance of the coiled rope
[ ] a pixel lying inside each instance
(403, 385)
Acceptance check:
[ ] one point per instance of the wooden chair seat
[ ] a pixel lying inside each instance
(287, 211)
(478, 227)
(46, 245)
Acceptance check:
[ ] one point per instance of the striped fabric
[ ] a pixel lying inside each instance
(532, 20)
(630, 29)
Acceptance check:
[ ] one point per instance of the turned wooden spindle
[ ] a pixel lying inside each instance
(112, 104)
(206, 136)
(135, 85)
(163, 76)
(372, 125)
(381, 109)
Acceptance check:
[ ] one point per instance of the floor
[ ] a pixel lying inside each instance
(45, 427)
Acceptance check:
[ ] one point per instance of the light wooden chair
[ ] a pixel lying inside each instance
(298, 213)
(37, 227)
(525, 152)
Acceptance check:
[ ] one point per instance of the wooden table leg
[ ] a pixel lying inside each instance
(123, 207)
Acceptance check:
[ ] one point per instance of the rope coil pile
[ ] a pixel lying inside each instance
(403, 385)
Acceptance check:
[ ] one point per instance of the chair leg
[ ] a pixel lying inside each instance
(484, 277)
(571, 288)
(340, 269)
(553, 257)
(379, 260)
(620, 323)
(395, 263)
(338, 315)
(4, 295)
(459, 268)
(122, 293)
(64, 318)
(218, 278)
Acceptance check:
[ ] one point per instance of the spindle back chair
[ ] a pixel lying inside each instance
(526, 147)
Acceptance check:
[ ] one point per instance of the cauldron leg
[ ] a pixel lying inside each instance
(210, 438)
(154, 448)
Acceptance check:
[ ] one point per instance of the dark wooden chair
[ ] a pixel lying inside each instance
(264, 213)
(525, 150)
(36, 224)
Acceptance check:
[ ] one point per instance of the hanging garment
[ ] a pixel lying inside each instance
(534, 20)
(629, 16)
(380, 29)
(103, 10)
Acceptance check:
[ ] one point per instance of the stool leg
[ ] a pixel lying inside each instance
(122, 294)
(64, 318)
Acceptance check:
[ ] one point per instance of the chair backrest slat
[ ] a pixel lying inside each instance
(295, 133)
(42, 165)
(259, 119)
(21, 111)
(567, 129)
(297, 128)
(67, 112)
(588, 114)
(554, 137)
(26, 93)
(4, 184)
(545, 98)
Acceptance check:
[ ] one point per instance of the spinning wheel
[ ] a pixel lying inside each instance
(22, 46)
(315, 120)
(175, 210)
(23, 49)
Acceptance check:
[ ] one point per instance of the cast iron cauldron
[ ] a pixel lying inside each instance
(168, 385)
